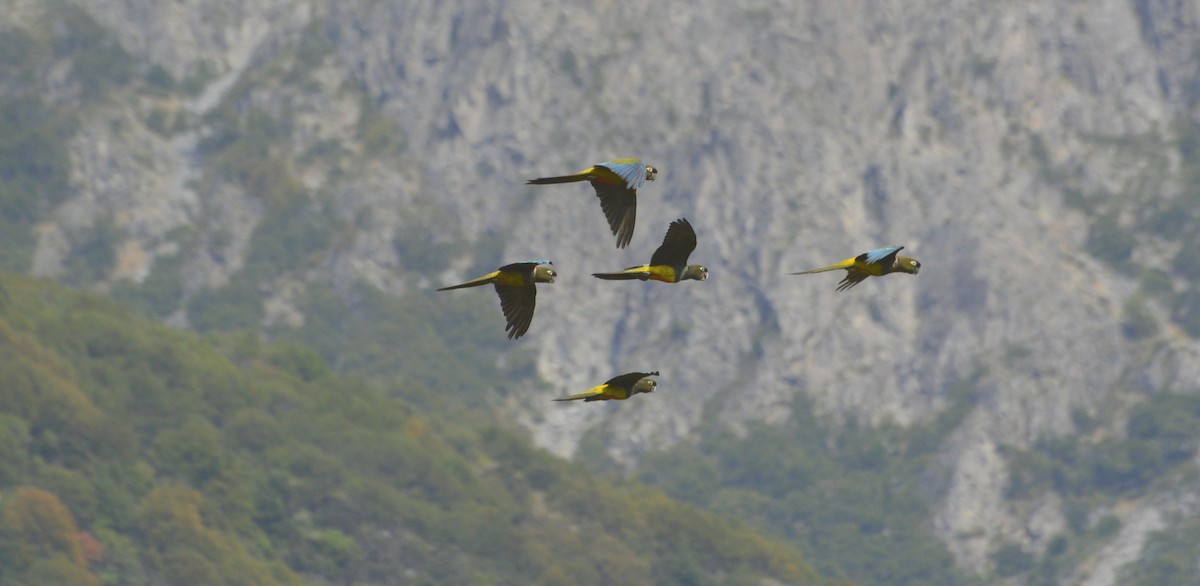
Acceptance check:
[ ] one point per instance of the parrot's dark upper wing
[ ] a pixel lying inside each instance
(517, 303)
(853, 277)
(677, 245)
(627, 380)
(524, 267)
(620, 209)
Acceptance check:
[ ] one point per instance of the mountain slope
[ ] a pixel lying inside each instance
(131, 453)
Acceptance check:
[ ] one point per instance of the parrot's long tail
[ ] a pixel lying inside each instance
(841, 265)
(584, 395)
(593, 394)
(626, 275)
(484, 280)
(582, 176)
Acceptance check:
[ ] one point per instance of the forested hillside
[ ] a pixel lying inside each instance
(132, 453)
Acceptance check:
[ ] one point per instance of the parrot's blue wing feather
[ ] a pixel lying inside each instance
(634, 173)
(879, 254)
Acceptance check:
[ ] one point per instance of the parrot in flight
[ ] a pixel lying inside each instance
(616, 184)
(515, 285)
(874, 263)
(669, 263)
(618, 388)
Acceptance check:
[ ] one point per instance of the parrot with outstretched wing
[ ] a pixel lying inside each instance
(669, 262)
(873, 263)
(618, 388)
(515, 285)
(616, 184)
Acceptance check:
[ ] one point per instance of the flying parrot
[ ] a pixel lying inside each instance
(669, 263)
(515, 285)
(616, 183)
(618, 388)
(874, 263)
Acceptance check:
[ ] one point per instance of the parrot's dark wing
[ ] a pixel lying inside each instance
(620, 209)
(524, 267)
(627, 380)
(677, 245)
(853, 277)
(517, 303)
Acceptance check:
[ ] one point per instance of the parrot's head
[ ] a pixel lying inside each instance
(644, 385)
(908, 264)
(697, 272)
(651, 173)
(544, 274)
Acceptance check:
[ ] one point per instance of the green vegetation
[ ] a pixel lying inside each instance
(237, 305)
(92, 255)
(1169, 557)
(1160, 436)
(292, 237)
(1137, 323)
(159, 294)
(849, 495)
(1011, 560)
(1047, 569)
(1109, 242)
(98, 63)
(241, 151)
(34, 172)
(131, 453)
(445, 342)
(1157, 448)
(1186, 310)
(34, 165)
(1154, 209)
(312, 49)
(380, 134)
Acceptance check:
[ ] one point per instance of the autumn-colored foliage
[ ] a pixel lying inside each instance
(90, 547)
(37, 525)
(131, 453)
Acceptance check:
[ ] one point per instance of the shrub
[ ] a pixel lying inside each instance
(1011, 560)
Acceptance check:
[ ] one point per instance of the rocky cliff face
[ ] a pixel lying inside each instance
(986, 137)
